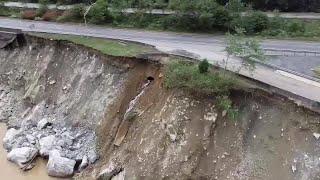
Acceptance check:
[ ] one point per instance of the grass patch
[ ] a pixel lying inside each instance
(106, 46)
(188, 76)
(317, 71)
(281, 28)
(9, 12)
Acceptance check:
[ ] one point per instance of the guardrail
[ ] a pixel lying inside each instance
(10, 31)
(290, 52)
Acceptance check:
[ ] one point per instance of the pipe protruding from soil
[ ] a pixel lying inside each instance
(150, 78)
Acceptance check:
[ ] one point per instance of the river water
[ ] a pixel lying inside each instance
(9, 170)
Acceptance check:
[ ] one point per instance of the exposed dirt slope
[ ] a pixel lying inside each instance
(183, 136)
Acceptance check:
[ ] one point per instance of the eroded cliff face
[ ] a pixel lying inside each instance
(179, 135)
(77, 104)
(53, 95)
(74, 85)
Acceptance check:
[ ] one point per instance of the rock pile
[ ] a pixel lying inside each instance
(65, 147)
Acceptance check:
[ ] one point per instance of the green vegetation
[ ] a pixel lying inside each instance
(224, 103)
(203, 66)
(43, 8)
(109, 47)
(203, 79)
(75, 14)
(317, 71)
(282, 5)
(11, 12)
(187, 76)
(286, 5)
(281, 28)
(191, 16)
(248, 49)
(99, 13)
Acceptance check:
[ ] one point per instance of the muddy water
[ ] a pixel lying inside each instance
(11, 171)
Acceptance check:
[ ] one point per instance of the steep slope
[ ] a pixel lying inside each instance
(118, 110)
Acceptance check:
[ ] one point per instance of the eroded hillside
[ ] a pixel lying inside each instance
(112, 117)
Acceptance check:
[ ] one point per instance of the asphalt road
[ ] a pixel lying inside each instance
(303, 65)
(198, 46)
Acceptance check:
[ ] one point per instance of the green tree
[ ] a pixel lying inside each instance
(99, 12)
(43, 8)
(248, 49)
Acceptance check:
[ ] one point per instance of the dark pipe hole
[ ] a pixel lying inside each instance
(77, 165)
(150, 78)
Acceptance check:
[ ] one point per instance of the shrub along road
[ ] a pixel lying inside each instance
(199, 46)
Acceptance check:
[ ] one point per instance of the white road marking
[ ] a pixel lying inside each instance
(299, 78)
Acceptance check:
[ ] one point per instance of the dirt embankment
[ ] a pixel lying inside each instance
(144, 130)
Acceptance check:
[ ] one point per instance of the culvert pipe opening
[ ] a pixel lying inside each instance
(150, 78)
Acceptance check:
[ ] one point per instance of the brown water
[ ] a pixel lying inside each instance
(9, 170)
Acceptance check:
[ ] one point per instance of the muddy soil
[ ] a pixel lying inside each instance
(171, 134)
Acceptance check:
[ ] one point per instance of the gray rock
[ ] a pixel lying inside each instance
(84, 163)
(65, 141)
(47, 144)
(22, 155)
(43, 123)
(59, 166)
(111, 171)
(9, 138)
(27, 124)
(92, 156)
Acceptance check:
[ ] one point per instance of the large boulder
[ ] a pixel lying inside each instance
(22, 155)
(47, 144)
(9, 138)
(59, 166)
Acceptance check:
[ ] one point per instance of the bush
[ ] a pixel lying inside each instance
(4, 11)
(77, 11)
(252, 23)
(276, 27)
(99, 13)
(295, 27)
(42, 10)
(224, 103)
(255, 22)
(217, 19)
(203, 66)
(74, 14)
(28, 14)
(51, 16)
